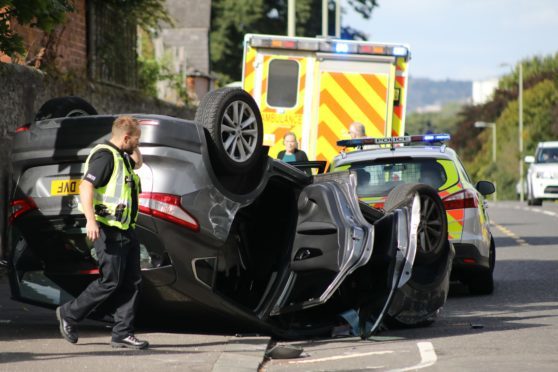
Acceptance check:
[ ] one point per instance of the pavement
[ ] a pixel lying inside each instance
(30, 341)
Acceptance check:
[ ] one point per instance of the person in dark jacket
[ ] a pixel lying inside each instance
(291, 152)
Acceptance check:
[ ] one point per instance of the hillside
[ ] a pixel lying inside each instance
(424, 93)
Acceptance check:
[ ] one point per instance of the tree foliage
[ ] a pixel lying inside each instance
(540, 123)
(232, 19)
(42, 14)
(47, 14)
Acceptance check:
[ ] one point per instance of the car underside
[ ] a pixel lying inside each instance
(256, 243)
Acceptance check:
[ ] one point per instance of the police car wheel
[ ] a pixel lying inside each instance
(65, 107)
(432, 234)
(234, 124)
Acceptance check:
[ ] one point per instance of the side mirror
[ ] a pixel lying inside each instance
(485, 187)
(529, 159)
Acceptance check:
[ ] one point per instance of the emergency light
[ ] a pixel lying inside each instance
(328, 45)
(424, 138)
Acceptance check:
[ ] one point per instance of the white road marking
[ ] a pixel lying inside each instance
(339, 357)
(5, 321)
(427, 357)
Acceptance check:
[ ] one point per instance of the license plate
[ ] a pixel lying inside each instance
(64, 187)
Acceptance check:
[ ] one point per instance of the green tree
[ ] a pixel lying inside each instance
(42, 14)
(540, 123)
(232, 19)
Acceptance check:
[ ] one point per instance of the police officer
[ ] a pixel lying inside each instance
(109, 199)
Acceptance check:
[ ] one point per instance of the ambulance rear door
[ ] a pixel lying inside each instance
(351, 88)
(277, 80)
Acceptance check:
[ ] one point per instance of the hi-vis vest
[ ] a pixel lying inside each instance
(113, 202)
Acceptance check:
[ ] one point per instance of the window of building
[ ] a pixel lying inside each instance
(112, 41)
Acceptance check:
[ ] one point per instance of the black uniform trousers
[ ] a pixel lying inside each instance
(118, 253)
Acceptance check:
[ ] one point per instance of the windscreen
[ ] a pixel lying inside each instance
(548, 155)
(378, 178)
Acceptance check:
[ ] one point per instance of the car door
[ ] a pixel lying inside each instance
(332, 239)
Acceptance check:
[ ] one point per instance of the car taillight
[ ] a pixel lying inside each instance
(23, 128)
(19, 207)
(460, 200)
(167, 207)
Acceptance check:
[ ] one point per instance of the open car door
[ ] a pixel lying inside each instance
(332, 239)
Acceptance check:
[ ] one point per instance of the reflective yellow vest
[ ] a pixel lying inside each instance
(113, 202)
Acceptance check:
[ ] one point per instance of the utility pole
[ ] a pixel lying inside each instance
(520, 101)
(338, 19)
(291, 20)
(325, 28)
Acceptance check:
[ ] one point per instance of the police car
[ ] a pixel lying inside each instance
(384, 163)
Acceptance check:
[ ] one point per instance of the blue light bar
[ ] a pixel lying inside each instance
(429, 138)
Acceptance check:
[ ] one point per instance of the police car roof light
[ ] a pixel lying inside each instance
(426, 138)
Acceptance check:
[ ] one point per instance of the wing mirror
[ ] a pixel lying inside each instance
(485, 187)
(529, 159)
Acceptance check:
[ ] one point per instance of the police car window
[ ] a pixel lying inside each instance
(463, 171)
(379, 178)
(282, 86)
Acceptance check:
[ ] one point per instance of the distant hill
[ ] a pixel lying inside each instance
(427, 95)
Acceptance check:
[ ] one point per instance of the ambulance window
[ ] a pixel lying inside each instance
(282, 85)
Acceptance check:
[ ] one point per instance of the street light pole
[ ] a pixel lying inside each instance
(520, 101)
(291, 18)
(325, 22)
(482, 124)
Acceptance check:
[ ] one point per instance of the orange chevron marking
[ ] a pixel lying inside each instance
(401, 81)
(377, 85)
(327, 99)
(361, 102)
(326, 132)
(457, 214)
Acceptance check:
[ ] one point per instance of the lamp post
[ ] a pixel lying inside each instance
(520, 126)
(482, 124)
(520, 100)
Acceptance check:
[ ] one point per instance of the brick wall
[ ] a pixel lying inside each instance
(65, 47)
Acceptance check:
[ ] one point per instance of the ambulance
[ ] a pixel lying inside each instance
(316, 87)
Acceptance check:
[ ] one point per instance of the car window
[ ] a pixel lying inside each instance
(547, 155)
(462, 170)
(282, 83)
(378, 178)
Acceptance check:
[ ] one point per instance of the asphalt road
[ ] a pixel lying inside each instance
(514, 329)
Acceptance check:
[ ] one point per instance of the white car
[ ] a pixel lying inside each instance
(542, 176)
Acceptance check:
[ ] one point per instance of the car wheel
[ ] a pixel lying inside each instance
(433, 225)
(417, 302)
(532, 200)
(482, 283)
(65, 107)
(234, 124)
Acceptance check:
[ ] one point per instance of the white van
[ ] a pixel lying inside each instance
(542, 176)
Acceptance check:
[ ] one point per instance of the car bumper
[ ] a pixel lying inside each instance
(469, 258)
(544, 188)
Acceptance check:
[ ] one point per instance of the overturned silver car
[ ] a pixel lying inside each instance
(226, 232)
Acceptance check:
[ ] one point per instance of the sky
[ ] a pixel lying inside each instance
(463, 39)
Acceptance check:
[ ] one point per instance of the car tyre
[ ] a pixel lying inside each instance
(235, 127)
(482, 283)
(65, 107)
(433, 227)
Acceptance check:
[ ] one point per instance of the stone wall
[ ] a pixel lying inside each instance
(24, 90)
